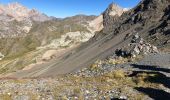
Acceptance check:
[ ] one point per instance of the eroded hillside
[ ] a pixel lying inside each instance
(127, 58)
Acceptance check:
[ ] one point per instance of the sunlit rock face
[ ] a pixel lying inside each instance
(18, 12)
(97, 24)
(105, 20)
(69, 39)
(110, 15)
(17, 20)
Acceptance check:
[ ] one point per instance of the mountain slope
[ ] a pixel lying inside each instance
(27, 36)
(23, 30)
(149, 16)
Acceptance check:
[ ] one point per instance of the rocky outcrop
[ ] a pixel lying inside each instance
(150, 15)
(97, 24)
(105, 21)
(14, 29)
(110, 15)
(137, 46)
(69, 39)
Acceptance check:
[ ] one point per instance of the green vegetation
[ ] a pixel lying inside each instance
(40, 34)
(16, 50)
(12, 64)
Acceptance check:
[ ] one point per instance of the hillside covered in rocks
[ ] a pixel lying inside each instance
(119, 55)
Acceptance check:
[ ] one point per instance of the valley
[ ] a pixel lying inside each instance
(121, 54)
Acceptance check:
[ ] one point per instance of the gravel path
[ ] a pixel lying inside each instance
(161, 60)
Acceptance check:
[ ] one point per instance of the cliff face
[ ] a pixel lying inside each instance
(150, 18)
(105, 21)
(110, 15)
(97, 24)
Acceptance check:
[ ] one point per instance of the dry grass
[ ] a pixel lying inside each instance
(118, 79)
(119, 60)
(6, 96)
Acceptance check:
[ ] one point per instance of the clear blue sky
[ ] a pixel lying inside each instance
(64, 8)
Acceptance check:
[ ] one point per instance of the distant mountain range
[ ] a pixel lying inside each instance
(23, 29)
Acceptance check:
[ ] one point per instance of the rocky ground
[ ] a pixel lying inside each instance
(120, 78)
(138, 73)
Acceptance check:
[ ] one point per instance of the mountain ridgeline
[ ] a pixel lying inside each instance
(150, 18)
(23, 30)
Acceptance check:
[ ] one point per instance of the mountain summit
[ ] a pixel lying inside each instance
(114, 9)
(18, 12)
(107, 17)
(110, 15)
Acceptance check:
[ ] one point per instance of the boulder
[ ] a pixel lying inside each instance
(154, 49)
(136, 50)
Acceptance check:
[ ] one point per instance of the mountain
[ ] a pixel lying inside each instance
(107, 17)
(16, 11)
(119, 55)
(149, 19)
(17, 20)
(24, 31)
(110, 15)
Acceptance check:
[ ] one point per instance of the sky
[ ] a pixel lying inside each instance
(65, 8)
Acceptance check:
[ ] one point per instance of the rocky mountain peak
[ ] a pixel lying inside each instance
(110, 15)
(115, 9)
(19, 12)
